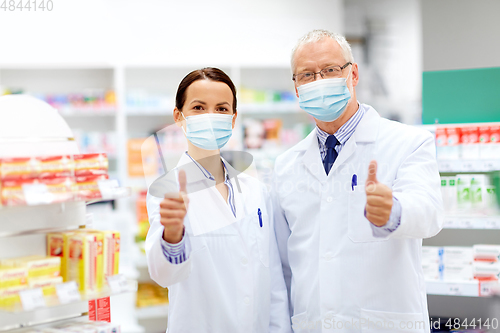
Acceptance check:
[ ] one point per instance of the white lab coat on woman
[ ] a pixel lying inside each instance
(233, 280)
(338, 274)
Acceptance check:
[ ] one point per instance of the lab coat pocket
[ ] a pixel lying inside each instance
(359, 228)
(261, 223)
(381, 321)
(300, 323)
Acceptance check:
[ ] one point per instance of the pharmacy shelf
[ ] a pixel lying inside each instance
(150, 312)
(86, 112)
(471, 222)
(459, 166)
(462, 288)
(17, 317)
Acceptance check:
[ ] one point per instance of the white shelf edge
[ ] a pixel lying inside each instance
(463, 166)
(472, 222)
(149, 312)
(20, 319)
(473, 288)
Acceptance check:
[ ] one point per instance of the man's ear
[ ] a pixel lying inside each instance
(354, 74)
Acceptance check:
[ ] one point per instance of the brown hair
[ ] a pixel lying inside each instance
(207, 73)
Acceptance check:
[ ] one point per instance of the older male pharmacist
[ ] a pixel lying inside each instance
(353, 201)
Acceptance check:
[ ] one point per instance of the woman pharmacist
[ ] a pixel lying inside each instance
(218, 255)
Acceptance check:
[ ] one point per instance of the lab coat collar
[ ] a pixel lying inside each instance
(195, 172)
(367, 130)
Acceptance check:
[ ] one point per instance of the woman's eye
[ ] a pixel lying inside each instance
(197, 107)
(222, 109)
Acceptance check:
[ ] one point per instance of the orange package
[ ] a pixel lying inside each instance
(90, 164)
(87, 187)
(19, 168)
(36, 191)
(55, 166)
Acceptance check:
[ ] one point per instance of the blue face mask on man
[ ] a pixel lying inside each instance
(325, 99)
(209, 131)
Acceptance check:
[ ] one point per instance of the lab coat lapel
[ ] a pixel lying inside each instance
(312, 157)
(366, 132)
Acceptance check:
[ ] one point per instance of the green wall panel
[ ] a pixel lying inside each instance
(461, 96)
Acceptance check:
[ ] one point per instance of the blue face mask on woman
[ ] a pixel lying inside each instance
(324, 99)
(209, 131)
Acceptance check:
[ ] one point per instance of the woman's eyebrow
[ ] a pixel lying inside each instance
(222, 103)
(197, 101)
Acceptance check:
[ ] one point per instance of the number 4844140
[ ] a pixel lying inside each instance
(26, 5)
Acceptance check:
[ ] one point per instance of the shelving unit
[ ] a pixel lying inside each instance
(38, 130)
(464, 299)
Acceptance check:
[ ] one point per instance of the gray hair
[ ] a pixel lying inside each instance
(319, 34)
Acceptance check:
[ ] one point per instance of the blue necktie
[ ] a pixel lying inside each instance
(331, 153)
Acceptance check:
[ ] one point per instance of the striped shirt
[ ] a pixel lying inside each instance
(343, 134)
(176, 253)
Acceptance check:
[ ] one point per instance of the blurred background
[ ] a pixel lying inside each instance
(111, 68)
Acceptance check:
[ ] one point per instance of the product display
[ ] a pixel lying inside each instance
(455, 263)
(468, 142)
(18, 274)
(469, 193)
(52, 179)
(149, 294)
(87, 256)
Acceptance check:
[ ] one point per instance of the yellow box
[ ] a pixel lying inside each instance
(13, 276)
(84, 251)
(9, 297)
(56, 245)
(48, 285)
(37, 266)
(111, 252)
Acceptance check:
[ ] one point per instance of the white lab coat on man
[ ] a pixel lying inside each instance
(340, 277)
(233, 280)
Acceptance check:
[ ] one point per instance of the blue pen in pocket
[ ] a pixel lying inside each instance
(354, 181)
(260, 217)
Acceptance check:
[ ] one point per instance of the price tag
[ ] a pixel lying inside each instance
(107, 187)
(466, 224)
(493, 223)
(68, 292)
(37, 194)
(454, 289)
(32, 299)
(117, 283)
(486, 287)
(450, 222)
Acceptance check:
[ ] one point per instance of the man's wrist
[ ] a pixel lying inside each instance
(171, 238)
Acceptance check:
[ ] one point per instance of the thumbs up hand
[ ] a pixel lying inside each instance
(378, 198)
(173, 209)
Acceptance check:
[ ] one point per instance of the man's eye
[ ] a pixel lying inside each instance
(307, 75)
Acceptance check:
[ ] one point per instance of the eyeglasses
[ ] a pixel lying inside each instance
(331, 72)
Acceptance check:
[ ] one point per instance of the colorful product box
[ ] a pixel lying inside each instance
(13, 277)
(19, 168)
(9, 297)
(55, 166)
(36, 191)
(90, 164)
(37, 266)
(56, 248)
(48, 285)
(485, 252)
(87, 187)
(486, 271)
(85, 260)
(111, 252)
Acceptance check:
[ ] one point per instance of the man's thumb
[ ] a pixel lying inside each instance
(182, 181)
(372, 173)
